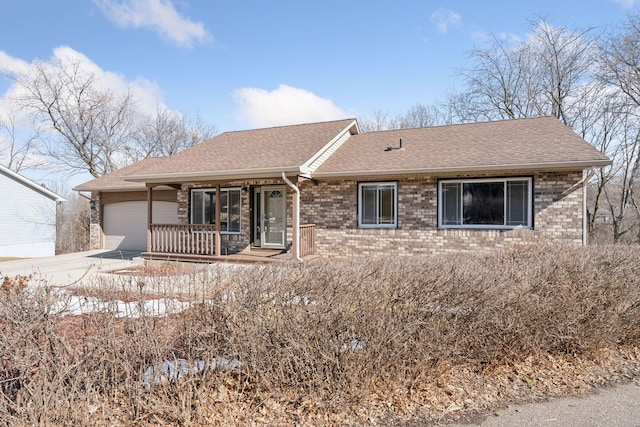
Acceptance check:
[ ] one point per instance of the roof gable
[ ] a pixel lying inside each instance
(250, 153)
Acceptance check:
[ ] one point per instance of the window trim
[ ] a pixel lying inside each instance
(213, 190)
(504, 180)
(395, 204)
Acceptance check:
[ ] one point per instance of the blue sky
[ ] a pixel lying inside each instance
(247, 64)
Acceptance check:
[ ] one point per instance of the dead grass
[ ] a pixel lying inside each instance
(374, 341)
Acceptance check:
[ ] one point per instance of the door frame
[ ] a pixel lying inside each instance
(258, 230)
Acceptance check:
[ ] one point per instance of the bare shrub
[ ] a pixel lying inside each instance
(324, 339)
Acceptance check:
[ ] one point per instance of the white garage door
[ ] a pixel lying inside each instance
(125, 224)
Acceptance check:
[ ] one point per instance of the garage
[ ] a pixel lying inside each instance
(125, 224)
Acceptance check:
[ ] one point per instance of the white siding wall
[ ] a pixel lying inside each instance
(27, 221)
(328, 152)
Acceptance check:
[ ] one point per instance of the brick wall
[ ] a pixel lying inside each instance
(332, 206)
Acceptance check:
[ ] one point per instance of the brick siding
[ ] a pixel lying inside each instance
(333, 206)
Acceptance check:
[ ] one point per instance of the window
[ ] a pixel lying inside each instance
(377, 205)
(485, 203)
(203, 208)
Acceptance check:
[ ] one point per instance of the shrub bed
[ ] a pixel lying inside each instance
(361, 341)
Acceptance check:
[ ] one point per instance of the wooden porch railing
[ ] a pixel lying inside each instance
(200, 239)
(196, 239)
(307, 239)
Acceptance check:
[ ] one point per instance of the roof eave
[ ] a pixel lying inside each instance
(227, 175)
(32, 184)
(114, 187)
(453, 169)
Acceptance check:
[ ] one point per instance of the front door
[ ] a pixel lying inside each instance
(270, 217)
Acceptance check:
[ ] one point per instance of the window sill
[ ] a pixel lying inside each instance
(481, 227)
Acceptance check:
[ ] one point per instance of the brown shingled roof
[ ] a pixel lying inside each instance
(113, 181)
(524, 144)
(284, 148)
(532, 143)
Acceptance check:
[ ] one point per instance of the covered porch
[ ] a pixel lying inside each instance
(201, 243)
(258, 224)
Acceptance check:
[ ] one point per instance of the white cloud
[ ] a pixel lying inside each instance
(445, 18)
(146, 96)
(626, 4)
(483, 37)
(159, 15)
(283, 106)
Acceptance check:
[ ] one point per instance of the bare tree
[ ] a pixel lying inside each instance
(620, 192)
(620, 68)
(620, 59)
(16, 147)
(377, 121)
(499, 83)
(91, 124)
(417, 116)
(72, 224)
(165, 134)
(563, 62)
(599, 120)
(542, 75)
(421, 116)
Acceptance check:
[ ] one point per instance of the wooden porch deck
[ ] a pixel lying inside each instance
(253, 256)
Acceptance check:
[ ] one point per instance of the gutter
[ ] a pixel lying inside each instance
(456, 169)
(296, 223)
(32, 184)
(228, 175)
(585, 225)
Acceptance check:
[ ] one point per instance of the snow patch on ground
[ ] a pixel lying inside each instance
(174, 370)
(72, 305)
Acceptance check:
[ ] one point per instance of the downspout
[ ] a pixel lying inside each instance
(296, 223)
(583, 183)
(585, 226)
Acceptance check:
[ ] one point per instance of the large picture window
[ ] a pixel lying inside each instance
(485, 203)
(377, 205)
(203, 208)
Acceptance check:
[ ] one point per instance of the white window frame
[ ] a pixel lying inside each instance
(487, 226)
(222, 190)
(394, 184)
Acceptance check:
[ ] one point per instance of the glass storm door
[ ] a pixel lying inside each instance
(274, 215)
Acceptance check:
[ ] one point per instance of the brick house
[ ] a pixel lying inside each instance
(328, 189)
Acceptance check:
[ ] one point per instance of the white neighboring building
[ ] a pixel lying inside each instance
(27, 217)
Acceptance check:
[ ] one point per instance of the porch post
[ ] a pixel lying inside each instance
(218, 251)
(295, 216)
(295, 230)
(149, 216)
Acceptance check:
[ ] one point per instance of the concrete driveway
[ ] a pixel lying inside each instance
(68, 269)
(618, 406)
